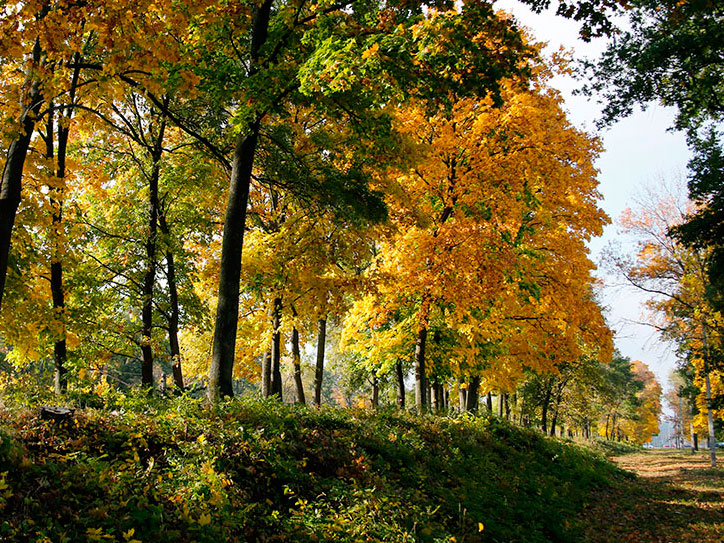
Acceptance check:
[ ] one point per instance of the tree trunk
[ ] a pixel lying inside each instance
(439, 395)
(420, 380)
(56, 191)
(375, 392)
(506, 398)
(472, 396)
(500, 405)
(554, 421)
(400, 385)
(462, 395)
(12, 175)
(227, 309)
(276, 373)
(173, 318)
(266, 370)
(296, 360)
(60, 351)
(489, 402)
(544, 411)
(149, 277)
(709, 405)
(319, 369)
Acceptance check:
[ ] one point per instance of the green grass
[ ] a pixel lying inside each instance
(250, 470)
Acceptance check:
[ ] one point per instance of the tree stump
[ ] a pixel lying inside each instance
(56, 414)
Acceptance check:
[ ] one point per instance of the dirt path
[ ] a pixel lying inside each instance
(676, 498)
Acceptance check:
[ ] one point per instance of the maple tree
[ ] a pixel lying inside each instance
(477, 254)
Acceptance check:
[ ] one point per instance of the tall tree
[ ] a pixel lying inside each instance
(321, 50)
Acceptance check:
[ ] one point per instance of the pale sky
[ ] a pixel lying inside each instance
(639, 150)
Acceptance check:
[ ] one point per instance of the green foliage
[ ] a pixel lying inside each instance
(157, 469)
(704, 228)
(673, 54)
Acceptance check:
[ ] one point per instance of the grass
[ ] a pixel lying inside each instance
(251, 470)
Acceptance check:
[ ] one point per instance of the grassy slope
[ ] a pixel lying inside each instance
(260, 471)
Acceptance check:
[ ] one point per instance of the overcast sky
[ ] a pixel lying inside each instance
(639, 151)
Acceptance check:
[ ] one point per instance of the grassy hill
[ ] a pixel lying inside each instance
(250, 470)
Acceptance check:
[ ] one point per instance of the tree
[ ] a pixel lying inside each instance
(673, 53)
(486, 259)
(320, 51)
(703, 228)
(675, 277)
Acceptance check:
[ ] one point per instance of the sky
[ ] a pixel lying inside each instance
(639, 151)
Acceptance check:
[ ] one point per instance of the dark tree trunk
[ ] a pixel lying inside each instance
(439, 395)
(266, 370)
(695, 437)
(544, 407)
(276, 373)
(149, 277)
(400, 385)
(60, 352)
(420, 380)
(12, 175)
(319, 368)
(296, 360)
(500, 405)
(554, 421)
(489, 402)
(506, 400)
(473, 394)
(60, 349)
(173, 317)
(227, 311)
(375, 392)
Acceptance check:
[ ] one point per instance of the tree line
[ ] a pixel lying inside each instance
(205, 187)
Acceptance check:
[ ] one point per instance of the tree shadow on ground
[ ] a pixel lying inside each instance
(676, 498)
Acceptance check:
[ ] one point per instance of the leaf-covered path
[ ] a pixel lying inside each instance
(676, 498)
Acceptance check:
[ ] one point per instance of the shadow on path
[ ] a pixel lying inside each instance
(676, 498)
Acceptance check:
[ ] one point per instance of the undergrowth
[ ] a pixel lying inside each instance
(161, 470)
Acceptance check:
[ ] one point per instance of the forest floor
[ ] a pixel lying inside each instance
(676, 498)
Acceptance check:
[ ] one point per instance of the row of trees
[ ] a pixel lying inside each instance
(401, 172)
